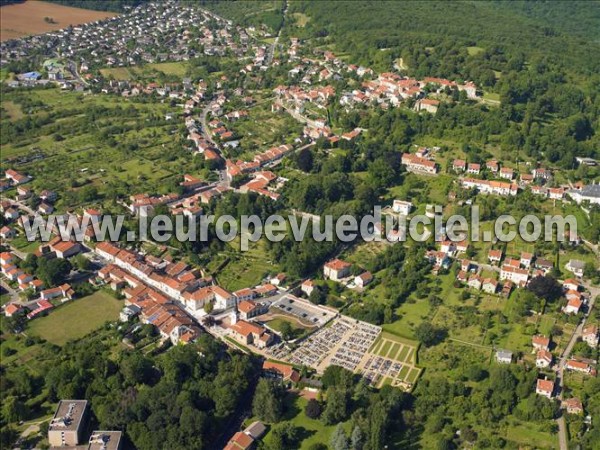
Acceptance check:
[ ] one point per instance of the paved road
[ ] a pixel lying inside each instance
(562, 426)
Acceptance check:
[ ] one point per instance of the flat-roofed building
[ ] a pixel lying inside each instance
(68, 424)
(105, 440)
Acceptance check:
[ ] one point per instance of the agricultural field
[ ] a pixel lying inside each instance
(76, 318)
(24, 19)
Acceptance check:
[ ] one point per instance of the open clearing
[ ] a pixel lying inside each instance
(27, 18)
(146, 71)
(77, 318)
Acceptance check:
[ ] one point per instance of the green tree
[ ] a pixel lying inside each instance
(268, 401)
(339, 440)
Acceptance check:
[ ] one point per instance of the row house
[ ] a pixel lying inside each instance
(490, 187)
(416, 164)
(516, 275)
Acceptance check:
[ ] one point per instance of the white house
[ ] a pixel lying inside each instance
(402, 207)
(336, 269)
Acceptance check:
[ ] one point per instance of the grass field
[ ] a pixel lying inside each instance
(77, 318)
(301, 19)
(27, 18)
(129, 73)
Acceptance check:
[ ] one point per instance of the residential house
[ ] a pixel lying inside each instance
(281, 372)
(573, 405)
(545, 388)
(573, 306)
(504, 356)
(507, 173)
(576, 266)
(7, 232)
(416, 164)
(514, 274)
(540, 342)
(402, 207)
(249, 309)
(307, 287)
(495, 256)
(250, 333)
(336, 269)
(526, 259)
(475, 282)
(543, 359)
(576, 365)
(490, 286)
(590, 335)
(363, 279)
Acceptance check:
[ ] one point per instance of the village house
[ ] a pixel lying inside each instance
(489, 286)
(16, 178)
(336, 269)
(250, 333)
(250, 309)
(402, 207)
(416, 164)
(428, 105)
(12, 309)
(540, 342)
(307, 287)
(507, 173)
(494, 256)
(514, 274)
(590, 335)
(576, 267)
(573, 405)
(363, 279)
(504, 356)
(543, 359)
(580, 366)
(279, 279)
(545, 388)
(490, 186)
(573, 306)
(280, 372)
(459, 165)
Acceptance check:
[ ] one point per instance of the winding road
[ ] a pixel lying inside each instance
(562, 425)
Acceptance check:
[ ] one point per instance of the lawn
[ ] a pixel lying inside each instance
(530, 435)
(76, 318)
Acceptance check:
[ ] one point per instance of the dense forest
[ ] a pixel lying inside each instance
(186, 395)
